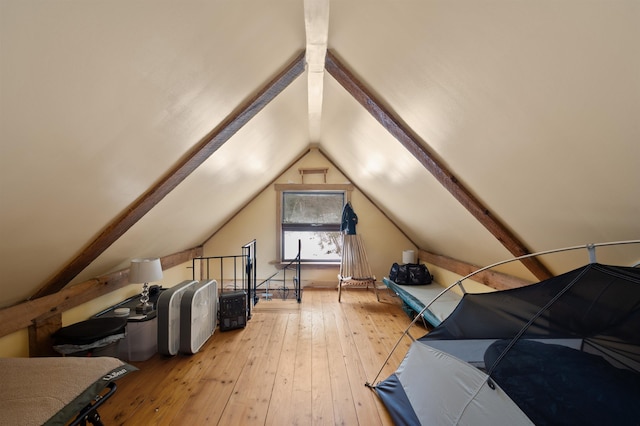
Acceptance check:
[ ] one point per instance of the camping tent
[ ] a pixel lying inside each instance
(562, 351)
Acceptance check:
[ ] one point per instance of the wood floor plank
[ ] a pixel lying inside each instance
(370, 347)
(366, 408)
(216, 386)
(261, 387)
(243, 407)
(344, 410)
(302, 397)
(173, 386)
(134, 390)
(293, 364)
(220, 380)
(234, 366)
(280, 406)
(321, 391)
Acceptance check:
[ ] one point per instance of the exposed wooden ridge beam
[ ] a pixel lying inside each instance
(198, 155)
(316, 24)
(416, 147)
(23, 315)
(493, 279)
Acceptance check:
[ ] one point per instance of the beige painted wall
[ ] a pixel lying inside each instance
(446, 278)
(383, 241)
(17, 344)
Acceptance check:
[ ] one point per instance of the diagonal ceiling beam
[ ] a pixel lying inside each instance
(198, 155)
(22, 315)
(414, 145)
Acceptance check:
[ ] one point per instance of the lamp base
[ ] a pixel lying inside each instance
(144, 308)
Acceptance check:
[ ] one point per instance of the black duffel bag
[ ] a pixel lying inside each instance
(410, 274)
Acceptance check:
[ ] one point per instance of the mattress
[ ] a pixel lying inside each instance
(416, 297)
(38, 391)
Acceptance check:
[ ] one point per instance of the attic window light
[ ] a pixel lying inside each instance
(145, 271)
(312, 217)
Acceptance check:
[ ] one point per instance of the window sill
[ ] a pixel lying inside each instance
(319, 265)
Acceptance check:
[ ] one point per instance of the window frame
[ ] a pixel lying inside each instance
(346, 189)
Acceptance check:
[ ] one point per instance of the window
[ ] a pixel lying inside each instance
(312, 216)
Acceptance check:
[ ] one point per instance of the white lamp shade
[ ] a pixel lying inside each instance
(145, 270)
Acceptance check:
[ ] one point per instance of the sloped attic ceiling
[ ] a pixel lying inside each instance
(532, 105)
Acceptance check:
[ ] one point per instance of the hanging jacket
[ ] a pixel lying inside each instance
(349, 220)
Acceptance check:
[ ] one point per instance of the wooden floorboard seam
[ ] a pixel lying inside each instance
(294, 363)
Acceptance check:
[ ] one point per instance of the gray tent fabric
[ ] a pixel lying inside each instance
(588, 317)
(397, 402)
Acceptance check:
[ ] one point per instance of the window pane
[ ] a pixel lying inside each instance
(312, 207)
(315, 246)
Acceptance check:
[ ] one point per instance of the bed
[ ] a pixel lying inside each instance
(416, 297)
(56, 390)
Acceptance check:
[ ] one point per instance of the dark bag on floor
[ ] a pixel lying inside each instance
(410, 274)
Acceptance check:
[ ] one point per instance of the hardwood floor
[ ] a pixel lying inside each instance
(293, 364)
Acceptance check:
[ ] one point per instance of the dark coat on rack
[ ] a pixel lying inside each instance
(349, 220)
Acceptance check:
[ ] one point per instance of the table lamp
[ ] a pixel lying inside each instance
(145, 271)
